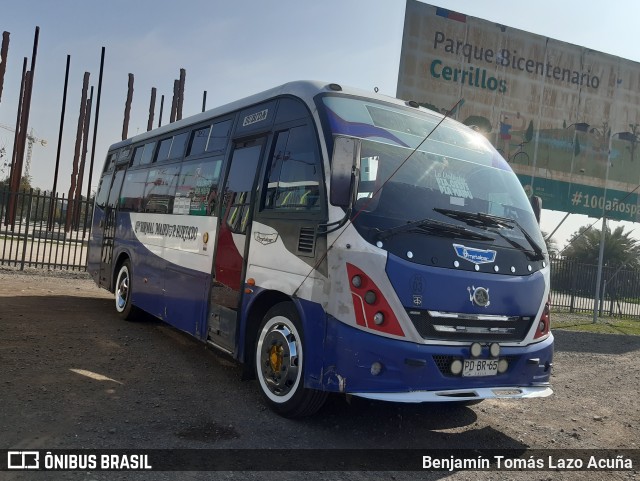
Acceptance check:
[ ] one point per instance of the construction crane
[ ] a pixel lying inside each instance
(31, 139)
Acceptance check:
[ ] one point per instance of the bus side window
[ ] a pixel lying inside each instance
(160, 189)
(219, 137)
(137, 156)
(110, 162)
(143, 154)
(199, 139)
(133, 190)
(178, 145)
(294, 177)
(196, 193)
(163, 149)
(103, 190)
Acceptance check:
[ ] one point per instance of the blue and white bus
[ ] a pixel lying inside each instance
(332, 240)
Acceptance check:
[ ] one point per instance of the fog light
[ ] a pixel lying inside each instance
(376, 368)
(456, 367)
(356, 281)
(370, 297)
(378, 318)
(494, 349)
(503, 365)
(476, 349)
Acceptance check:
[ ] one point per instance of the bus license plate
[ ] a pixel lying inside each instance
(480, 367)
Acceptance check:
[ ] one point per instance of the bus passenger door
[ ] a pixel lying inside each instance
(230, 257)
(109, 227)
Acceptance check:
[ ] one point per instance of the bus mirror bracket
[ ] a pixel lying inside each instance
(536, 205)
(343, 171)
(324, 229)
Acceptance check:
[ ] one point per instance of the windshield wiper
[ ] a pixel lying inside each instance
(434, 227)
(480, 219)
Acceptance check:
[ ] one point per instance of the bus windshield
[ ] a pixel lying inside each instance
(454, 175)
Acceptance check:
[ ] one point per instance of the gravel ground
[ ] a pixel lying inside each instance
(166, 390)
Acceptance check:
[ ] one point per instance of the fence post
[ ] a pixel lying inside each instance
(572, 288)
(26, 230)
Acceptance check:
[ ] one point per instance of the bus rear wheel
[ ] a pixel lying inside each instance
(279, 358)
(123, 292)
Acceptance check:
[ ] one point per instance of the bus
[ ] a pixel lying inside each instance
(332, 240)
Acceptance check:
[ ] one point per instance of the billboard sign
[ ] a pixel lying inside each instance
(565, 117)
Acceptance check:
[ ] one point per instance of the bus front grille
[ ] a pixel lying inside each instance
(449, 326)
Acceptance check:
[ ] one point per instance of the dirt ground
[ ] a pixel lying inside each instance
(166, 390)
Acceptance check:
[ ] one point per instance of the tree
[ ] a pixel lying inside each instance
(552, 245)
(482, 123)
(619, 247)
(25, 183)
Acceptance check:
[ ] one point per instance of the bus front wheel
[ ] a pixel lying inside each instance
(279, 358)
(123, 291)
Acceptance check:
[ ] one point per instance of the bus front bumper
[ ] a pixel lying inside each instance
(367, 365)
(515, 392)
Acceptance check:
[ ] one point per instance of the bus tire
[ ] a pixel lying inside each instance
(123, 292)
(279, 362)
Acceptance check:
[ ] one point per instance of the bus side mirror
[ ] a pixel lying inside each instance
(536, 204)
(343, 171)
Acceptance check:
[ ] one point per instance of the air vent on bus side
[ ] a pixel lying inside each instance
(306, 241)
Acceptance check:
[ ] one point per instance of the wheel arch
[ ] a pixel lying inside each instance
(255, 309)
(312, 317)
(122, 256)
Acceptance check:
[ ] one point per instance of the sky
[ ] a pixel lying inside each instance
(235, 48)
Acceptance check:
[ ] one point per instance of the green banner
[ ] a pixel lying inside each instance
(583, 199)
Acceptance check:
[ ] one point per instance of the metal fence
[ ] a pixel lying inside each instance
(40, 230)
(573, 287)
(47, 234)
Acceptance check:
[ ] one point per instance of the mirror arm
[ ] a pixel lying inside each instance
(338, 224)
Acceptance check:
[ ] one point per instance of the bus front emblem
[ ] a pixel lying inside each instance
(479, 296)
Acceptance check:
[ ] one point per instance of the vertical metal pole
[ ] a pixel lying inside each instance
(26, 106)
(596, 299)
(204, 101)
(152, 108)
(174, 101)
(4, 52)
(127, 108)
(596, 302)
(180, 101)
(83, 160)
(11, 205)
(161, 108)
(95, 123)
(76, 154)
(22, 135)
(55, 175)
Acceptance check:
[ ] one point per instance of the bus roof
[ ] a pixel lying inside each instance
(304, 89)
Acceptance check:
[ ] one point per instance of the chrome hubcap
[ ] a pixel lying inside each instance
(122, 291)
(279, 359)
